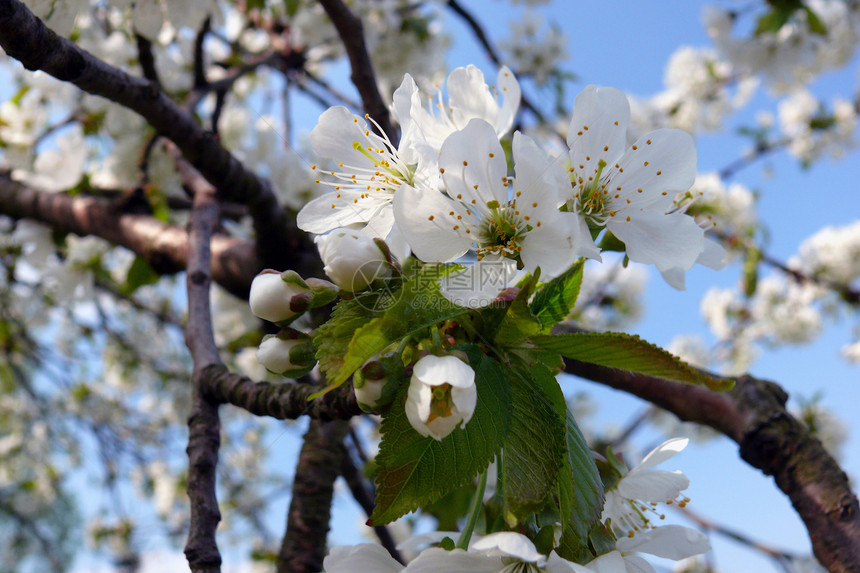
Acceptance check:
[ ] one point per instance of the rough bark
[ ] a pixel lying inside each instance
(304, 544)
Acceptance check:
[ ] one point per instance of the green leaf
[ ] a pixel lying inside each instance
(772, 21)
(554, 301)
(332, 338)
(415, 307)
(139, 274)
(627, 352)
(534, 449)
(415, 470)
(580, 490)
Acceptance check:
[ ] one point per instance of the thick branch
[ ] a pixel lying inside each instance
(164, 246)
(351, 32)
(281, 400)
(753, 414)
(25, 38)
(204, 426)
(304, 544)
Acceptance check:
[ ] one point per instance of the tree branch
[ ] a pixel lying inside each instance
(304, 544)
(351, 32)
(25, 38)
(753, 414)
(164, 246)
(281, 400)
(204, 426)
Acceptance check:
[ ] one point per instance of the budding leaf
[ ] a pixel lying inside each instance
(627, 352)
(415, 470)
(554, 301)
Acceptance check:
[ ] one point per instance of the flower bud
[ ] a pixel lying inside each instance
(353, 260)
(289, 353)
(279, 297)
(371, 382)
(442, 395)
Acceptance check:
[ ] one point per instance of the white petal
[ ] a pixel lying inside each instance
(424, 219)
(661, 168)
(478, 285)
(509, 544)
(469, 97)
(663, 452)
(555, 564)
(474, 164)
(611, 562)
(336, 132)
(436, 370)
(635, 564)
(539, 177)
(667, 241)
(510, 91)
(605, 113)
(669, 541)
(713, 256)
(435, 560)
(653, 485)
(550, 247)
(329, 211)
(367, 557)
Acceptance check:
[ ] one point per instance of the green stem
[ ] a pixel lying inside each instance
(474, 511)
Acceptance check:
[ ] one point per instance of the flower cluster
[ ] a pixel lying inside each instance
(444, 192)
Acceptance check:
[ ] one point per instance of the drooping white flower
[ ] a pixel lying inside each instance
(442, 395)
(352, 259)
(489, 213)
(629, 190)
(635, 496)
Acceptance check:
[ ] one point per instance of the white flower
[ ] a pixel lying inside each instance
(352, 259)
(486, 212)
(441, 396)
(636, 494)
(630, 190)
(369, 172)
(366, 557)
(504, 551)
(469, 98)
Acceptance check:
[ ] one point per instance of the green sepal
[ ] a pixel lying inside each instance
(414, 470)
(628, 352)
(556, 299)
(518, 323)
